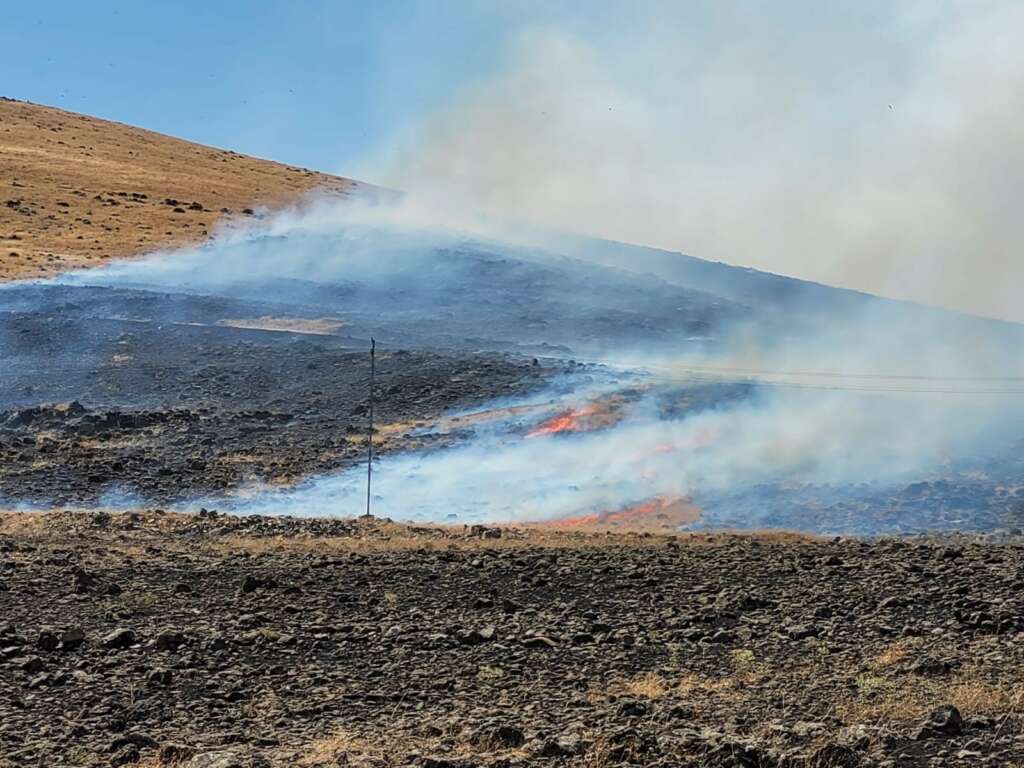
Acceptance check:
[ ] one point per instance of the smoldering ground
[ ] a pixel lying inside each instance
(848, 395)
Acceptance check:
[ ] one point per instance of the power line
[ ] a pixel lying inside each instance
(829, 387)
(834, 374)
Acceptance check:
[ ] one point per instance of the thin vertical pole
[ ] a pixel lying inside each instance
(369, 434)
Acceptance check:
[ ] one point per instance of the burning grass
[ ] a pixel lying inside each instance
(597, 414)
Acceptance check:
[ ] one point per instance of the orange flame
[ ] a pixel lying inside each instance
(575, 420)
(597, 414)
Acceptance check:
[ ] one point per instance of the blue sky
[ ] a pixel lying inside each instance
(311, 82)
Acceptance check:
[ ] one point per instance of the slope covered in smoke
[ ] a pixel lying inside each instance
(766, 400)
(872, 145)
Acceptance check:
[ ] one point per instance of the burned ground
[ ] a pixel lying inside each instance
(188, 640)
(172, 411)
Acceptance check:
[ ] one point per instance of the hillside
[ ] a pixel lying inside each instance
(77, 191)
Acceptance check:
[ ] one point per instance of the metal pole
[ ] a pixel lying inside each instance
(369, 434)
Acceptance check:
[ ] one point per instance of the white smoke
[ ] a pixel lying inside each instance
(868, 145)
(886, 394)
(790, 436)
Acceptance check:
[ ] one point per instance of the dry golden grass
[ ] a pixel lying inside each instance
(84, 191)
(910, 699)
(701, 692)
(382, 749)
(22, 524)
(373, 535)
(649, 685)
(893, 654)
(331, 750)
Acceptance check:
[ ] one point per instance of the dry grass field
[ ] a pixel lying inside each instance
(76, 191)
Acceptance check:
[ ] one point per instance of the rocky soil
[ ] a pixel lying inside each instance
(159, 640)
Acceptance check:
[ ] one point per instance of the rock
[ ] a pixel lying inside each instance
(835, 756)
(82, 581)
(159, 677)
(31, 664)
(215, 760)
(119, 638)
(135, 738)
(801, 631)
(735, 754)
(483, 532)
(172, 753)
(930, 667)
(855, 737)
(47, 641)
(126, 755)
(563, 746)
(71, 639)
(632, 709)
(968, 755)
(38, 681)
(539, 641)
(942, 722)
(251, 583)
(806, 729)
(437, 761)
(168, 640)
(505, 737)
(721, 637)
(476, 636)
(627, 744)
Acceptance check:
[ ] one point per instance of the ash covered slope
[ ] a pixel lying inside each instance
(785, 302)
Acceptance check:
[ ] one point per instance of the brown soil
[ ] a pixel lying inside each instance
(246, 642)
(76, 191)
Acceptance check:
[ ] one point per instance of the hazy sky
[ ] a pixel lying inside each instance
(873, 145)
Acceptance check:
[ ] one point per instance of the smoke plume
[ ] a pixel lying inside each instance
(862, 393)
(867, 145)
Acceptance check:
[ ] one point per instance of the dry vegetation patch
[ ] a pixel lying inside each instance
(77, 191)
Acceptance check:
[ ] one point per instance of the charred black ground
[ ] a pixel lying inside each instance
(106, 408)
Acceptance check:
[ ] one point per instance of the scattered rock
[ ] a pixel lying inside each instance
(169, 640)
(215, 760)
(71, 639)
(476, 636)
(119, 638)
(539, 641)
(942, 722)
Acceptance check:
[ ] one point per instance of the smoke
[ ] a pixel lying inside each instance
(872, 393)
(823, 439)
(867, 145)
